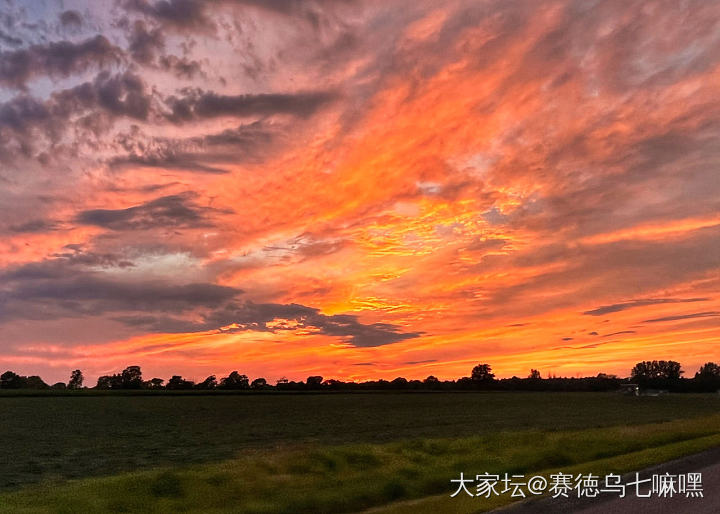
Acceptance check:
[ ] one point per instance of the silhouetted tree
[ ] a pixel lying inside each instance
(109, 382)
(708, 370)
(35, 382)
(399, 383)
(235, 381)
(605, 376)
(209, 383)
(431, 381)
(154, 383)
(58, 386)
(650, 370)
(482, 373)
(535, 375)
(76, 380)
(11, 380)
(103, 382)
(178, 382)
(131, 378)
(259, 383)
(314, 382)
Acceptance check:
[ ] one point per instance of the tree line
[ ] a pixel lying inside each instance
(648, 374)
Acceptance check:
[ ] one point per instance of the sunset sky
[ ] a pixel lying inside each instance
(358, 189)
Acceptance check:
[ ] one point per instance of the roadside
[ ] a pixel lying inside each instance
(707, 463)
(691, 455)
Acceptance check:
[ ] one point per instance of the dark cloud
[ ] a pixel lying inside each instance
(618, 333)
(250, 316)
(179, 161)
(73, 259)
(200, 104)
(23, 112)
(79, 116)
(143, 43)
(426, 361)
(709, 314)
(60, 58)
(119, 95)
(122, 95)
(74, 284)
(193, 14)
(173, 211)
(173, 13)
(616, 307)
(34, 226)
(91, 295)
(75, 255)
(308, 246)
(71, 19)
(358, 334)
(181, 67)
(72, 119)
(9, 39)
(203, 154)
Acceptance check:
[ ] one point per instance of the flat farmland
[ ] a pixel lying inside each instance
(86, 435)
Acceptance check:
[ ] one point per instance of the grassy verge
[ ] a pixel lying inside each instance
(353, 477)
(620, 464)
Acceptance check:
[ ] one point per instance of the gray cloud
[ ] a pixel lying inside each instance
(10, 40)
(23, 112)
(249, 316)
(173, 211)
(180, 161)
(60, 58)
(200, 104)
(209, 153)
(173, 13)
(709, 314)
(143, 43)
(193, 14)
(617, 307)
(181, 67)
(76, 283)
(426, 361)
(33, 226)
(71, 18)
(71, 117)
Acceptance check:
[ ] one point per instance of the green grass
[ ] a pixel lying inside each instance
(619, 464)
(351, 477)
(64, 437)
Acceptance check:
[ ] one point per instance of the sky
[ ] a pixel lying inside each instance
(358, 189)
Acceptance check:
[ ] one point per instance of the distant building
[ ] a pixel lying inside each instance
(630, 389)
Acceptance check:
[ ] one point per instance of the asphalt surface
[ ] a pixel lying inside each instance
(707, 463)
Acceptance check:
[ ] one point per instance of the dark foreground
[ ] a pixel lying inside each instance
(85, 436)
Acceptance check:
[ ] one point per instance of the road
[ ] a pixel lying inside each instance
(707, 463)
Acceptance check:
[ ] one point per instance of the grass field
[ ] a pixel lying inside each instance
(317, 453)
